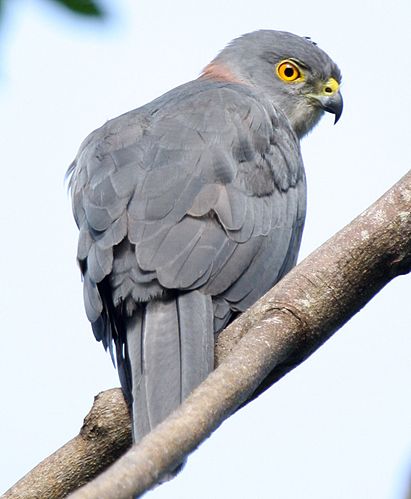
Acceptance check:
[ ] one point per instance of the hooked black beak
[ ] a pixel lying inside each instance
(332, 104)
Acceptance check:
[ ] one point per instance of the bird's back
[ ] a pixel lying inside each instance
(189, 209)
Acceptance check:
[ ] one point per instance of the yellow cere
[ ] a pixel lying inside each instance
(330, 87)
(289, 71)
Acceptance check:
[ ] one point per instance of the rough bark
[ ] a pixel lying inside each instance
(291, 321)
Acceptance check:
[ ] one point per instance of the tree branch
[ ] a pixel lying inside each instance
(104, 436)
(289, 323)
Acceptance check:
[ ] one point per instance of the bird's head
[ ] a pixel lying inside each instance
(292, 71)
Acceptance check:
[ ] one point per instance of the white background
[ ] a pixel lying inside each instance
(339, 426)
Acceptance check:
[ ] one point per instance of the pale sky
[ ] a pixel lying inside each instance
(337, 427)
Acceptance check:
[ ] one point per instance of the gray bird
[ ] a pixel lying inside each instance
(191, 207)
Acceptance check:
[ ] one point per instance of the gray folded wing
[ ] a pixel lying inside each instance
(202, 189)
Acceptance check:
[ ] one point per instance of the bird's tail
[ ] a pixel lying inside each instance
(170, 349)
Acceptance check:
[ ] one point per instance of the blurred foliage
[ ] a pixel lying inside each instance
(83, 7)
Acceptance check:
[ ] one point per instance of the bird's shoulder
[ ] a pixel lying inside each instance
(202, 105)
(229, 122)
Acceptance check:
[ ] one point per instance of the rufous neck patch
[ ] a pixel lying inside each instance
(220, 72)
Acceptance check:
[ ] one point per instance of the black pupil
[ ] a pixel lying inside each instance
(328, 90)
(289, 72)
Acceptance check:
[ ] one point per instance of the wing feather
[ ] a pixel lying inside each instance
(201, 189)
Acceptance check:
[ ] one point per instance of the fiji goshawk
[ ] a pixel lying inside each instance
(192, 206)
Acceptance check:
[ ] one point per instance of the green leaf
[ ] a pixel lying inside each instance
(83, 7)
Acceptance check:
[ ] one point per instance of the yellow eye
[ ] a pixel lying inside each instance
(288, 71)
